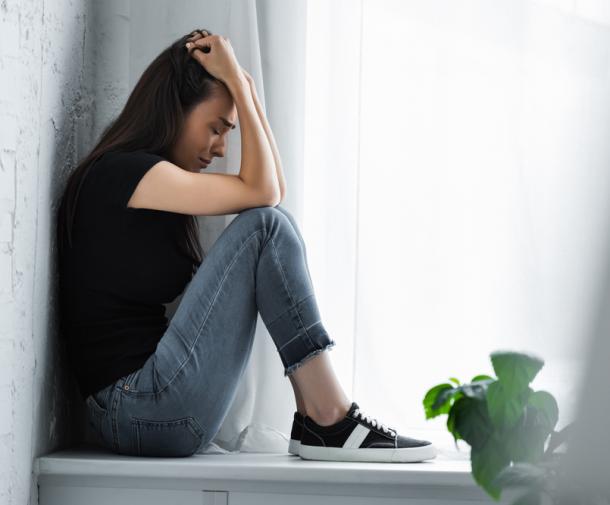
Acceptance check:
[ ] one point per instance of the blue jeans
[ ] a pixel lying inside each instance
(177, 401)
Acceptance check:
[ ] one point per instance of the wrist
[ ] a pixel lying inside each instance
(237, 84)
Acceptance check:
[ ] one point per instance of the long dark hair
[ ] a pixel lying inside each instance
(152, 119)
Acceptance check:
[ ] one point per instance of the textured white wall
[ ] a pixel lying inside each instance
(51, 53)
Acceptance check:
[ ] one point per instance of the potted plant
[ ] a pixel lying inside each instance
(510, 427)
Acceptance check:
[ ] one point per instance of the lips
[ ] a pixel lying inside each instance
(204, 161)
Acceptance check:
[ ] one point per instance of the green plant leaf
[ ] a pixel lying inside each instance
(451, 425)
(455, 381)
(432, 407)
(521, 475)
(505, 407)
(486, 463)
(481, 378)
(476, 390)
(515, 370)
(559, 437)
(525, 441)
(471, 421)
(547, 409)
(444, 398)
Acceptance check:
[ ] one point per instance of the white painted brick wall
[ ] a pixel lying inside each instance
(50, 114)
(9, 65)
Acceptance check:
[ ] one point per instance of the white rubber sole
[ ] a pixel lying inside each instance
(375, 454)
(294, 446)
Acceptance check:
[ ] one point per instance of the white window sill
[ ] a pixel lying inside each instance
(86, 461)
(270, 478)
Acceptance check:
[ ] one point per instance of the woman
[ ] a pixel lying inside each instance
(128, 244)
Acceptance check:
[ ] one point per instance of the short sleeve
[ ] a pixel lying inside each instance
(122, 171)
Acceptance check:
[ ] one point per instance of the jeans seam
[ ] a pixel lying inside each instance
(114, 420)
(288, 291)
(298, 334)
(226, 273)
(298, 234)
(270, 323)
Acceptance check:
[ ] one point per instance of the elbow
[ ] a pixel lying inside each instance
(277, 199)
(282, 189)
(275, 202)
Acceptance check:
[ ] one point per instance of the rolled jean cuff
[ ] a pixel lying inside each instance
(299, 334)
(304, 360)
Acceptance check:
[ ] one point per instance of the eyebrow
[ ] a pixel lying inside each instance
(226, 122)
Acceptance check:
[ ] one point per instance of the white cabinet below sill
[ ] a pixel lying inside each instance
(92, 476)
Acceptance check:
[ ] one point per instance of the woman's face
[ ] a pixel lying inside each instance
(205, 131)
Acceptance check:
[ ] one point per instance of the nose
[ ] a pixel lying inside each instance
(219, 149)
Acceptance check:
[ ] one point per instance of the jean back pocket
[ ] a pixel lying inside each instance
(172, 438)
(96, 414)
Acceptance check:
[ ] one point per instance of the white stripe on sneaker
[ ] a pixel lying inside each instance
(356, 437)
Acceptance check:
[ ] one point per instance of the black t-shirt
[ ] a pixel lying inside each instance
(124, 264)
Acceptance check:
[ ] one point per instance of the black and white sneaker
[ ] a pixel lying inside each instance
(295, 433)
(358, 437)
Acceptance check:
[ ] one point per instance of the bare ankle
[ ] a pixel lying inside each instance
(326, 417)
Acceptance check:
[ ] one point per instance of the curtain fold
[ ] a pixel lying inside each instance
(268, 39)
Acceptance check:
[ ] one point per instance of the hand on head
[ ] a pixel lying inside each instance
(215, 54)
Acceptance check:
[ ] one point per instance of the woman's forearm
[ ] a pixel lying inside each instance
(257, 163)
(270, 139)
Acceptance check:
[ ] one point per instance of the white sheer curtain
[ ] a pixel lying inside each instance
(456, 189)
(447, 161)
(269, 41)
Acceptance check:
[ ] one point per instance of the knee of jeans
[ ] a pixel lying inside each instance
(283, 210)
(265, 210)
(264, 215)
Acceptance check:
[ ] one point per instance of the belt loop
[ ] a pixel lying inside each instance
(123, 382)
(126, 382)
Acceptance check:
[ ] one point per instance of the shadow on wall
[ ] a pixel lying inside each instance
(87, 82)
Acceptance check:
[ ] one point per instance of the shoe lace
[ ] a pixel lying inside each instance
(374, 422)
